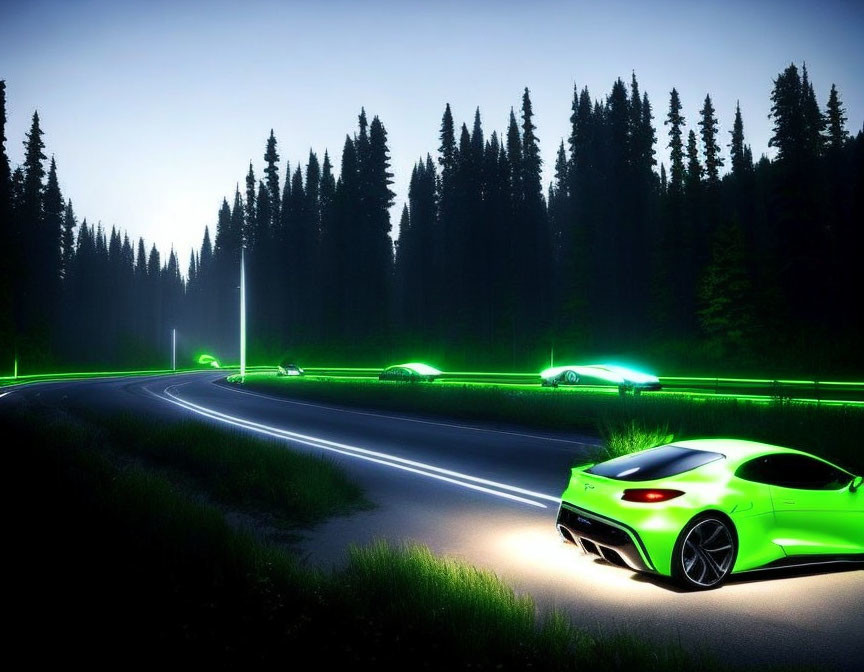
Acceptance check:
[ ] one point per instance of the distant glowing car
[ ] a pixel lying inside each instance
(209, 360)
(600, 374)
(698, 511)
(413, 372)
(289, 369)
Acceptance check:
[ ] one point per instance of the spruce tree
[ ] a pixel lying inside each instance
(737, 149)
(814, 121)
(329, 264)
(346, 243)
(33, 243)
(836, 121)
(535, 232)
(708, 126)
(52, 235)
(271, 156)
(694, 167)
(787, 112)
(68, 239)
(446, 257)
(249, 209)
(675, 121)
(379, 200)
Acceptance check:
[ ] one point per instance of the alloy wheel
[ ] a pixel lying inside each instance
(707, 553)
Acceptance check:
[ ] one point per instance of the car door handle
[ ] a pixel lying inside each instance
(788, 501)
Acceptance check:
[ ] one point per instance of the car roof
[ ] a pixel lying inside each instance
(736, 449)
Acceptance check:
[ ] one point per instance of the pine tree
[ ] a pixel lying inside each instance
(331, 270)
(249, 209)
(68, 239)
(346, 305)
(738, 151)
(787, 112)
(378, 200)
(814, 121)
(446, 255)
(694, 167)
(708, 126)
(675, 122)
(271, 156)
(534, 235)
(235, 242)
(33, 305)
(313, 196)
(836, 121)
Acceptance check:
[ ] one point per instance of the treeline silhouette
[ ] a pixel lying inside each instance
(713, 261)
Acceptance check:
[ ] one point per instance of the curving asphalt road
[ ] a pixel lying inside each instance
(488, 495)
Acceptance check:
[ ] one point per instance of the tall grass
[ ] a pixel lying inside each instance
(631, 437)
(833, 432)
(235, 468)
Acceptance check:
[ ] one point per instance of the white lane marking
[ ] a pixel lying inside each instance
(404, 419)
(4, 394)
(420, 468)
(366, 451)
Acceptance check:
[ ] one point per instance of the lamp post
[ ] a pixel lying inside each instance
(242, 315)
(174, 349)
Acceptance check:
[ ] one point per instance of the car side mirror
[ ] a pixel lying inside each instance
(856, 483)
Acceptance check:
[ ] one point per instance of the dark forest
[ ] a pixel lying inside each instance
(715, 262)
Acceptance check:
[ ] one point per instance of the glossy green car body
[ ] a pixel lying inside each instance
(750, 488)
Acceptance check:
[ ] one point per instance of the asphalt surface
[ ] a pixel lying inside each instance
(488, 495)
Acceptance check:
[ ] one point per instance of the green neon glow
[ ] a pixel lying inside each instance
(420, 368)
(582, 389)
(616, 375)
(828, 522)
(208, 359)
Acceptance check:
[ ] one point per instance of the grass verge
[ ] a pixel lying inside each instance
(116, 565)
(234, 468)
(832, 432)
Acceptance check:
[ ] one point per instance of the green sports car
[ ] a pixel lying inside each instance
(698, 511)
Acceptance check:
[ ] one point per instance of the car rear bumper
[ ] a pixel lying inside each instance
(597, 535)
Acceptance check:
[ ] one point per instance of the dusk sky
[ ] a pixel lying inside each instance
(154, 109)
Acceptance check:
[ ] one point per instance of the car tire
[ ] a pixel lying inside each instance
(705, 552)
(571, 378)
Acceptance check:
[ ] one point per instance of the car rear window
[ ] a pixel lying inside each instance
(652, 464)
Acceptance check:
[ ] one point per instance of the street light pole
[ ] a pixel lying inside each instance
(174, 349)
(242, 315)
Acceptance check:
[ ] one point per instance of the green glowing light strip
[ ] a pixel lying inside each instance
(761, 380)
(668, 379)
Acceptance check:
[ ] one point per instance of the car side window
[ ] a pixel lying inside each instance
(793, 471)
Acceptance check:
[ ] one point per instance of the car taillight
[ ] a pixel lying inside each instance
(650, 495)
